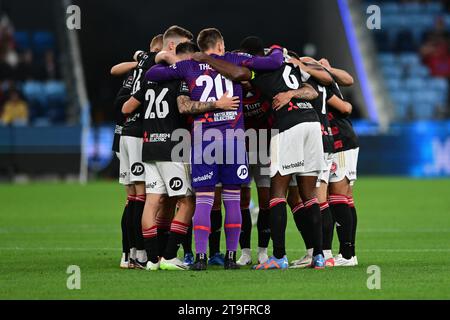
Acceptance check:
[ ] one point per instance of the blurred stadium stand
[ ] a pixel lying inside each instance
(414, 57)
(39, 131)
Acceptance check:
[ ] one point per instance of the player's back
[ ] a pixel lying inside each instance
(206, 84)
(284, 79)
(341, 125)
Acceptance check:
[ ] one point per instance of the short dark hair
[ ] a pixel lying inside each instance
(252, 45)
(187, 47)
(157, 40)
(177, 31)
(293, 54)
(208, 38)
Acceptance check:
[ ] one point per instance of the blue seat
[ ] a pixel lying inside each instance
(387, 58)
(55, 90)
(393, 84)
(438, 84)
(22, 39)
(34, 91)
(390, 8)
(433, 7)
(414, 84)
(401, 111)
(418, 71)
(43, 40)
(393, 71)
(56, 101)
(425, 104)
(409, 59)
(412, 7)
(400, 97)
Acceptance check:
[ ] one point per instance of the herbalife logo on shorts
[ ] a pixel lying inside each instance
(205, 177)
(294, 165)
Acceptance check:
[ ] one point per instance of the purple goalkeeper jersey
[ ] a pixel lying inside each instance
(206, 84)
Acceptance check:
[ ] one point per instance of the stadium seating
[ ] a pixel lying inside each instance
(415, 93)
(47, 100)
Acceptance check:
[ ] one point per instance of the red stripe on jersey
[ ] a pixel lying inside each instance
(335, 130)
(338, 144)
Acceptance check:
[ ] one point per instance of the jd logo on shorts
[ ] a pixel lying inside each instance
(137, 169)
(242, 172)
(176, 184)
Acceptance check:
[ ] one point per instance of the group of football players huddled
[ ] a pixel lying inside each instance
(256, 115)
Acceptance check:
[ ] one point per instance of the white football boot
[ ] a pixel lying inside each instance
(340, 261)
(246, 258)
(262, 255)
(152, 266)
(304, 262)
(124, 262)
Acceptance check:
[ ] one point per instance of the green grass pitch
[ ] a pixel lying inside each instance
(404, 228)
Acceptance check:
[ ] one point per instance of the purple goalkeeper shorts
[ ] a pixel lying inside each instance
(219, 162)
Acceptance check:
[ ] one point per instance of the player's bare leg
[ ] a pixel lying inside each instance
(307, 187)
(154, 205)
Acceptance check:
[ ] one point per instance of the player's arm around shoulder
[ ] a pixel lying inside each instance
(134, 102)
(123, 68)
(159, 72)
(130, 105)
(305, 92)
(229, 70)
(226, 103)
(340, 105)
(273, 61)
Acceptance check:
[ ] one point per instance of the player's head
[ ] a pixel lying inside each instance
(210, 40)
(252, 45)
(293, 54)
(185, 50)
(174, 36)
(157, 43)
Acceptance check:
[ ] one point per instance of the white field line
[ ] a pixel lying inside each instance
(406, 250)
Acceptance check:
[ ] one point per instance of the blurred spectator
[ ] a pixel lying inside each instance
(26, 69)
(50, 71)
(435, 50)
(15, 111)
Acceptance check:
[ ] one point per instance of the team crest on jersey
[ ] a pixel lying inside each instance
(333, 167)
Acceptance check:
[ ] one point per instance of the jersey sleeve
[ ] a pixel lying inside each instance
(271, 62)
(183, 90)
(160, 72)
(140, 95)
